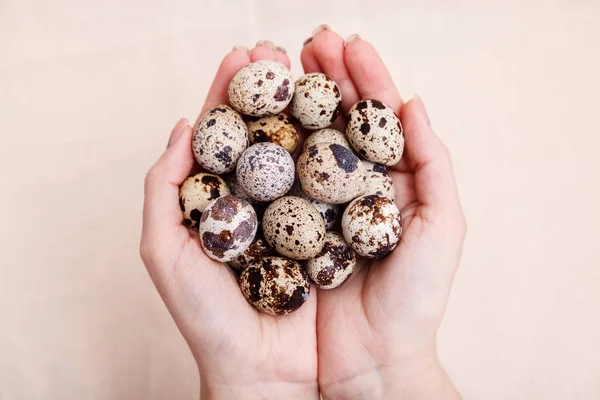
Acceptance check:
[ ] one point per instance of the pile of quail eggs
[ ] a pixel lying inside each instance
(283, 213)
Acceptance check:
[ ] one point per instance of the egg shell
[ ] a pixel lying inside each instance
(265, 171)
(372, 226)
(196, 192)
(294, 228)
(276, 129)
(331, 173)
(259, 248)
(261, 88)
(327, 135)
(334, 264)
(227, 227)
(379, 181)
(375, 132)
(331, 213)
(317, 101)
(275, 285)
(219, 139)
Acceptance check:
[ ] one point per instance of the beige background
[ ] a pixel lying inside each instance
(89, 91)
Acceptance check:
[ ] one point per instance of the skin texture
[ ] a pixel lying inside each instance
(377, 332)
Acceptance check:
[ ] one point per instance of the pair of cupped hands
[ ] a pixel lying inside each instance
(372, 338)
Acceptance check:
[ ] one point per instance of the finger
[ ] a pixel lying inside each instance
(264, 50)
(369, 74)
(435, 184)
(231, 64)
(308, 58)
(328, 49)
(282, 57)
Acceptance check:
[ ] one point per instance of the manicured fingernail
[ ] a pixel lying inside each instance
(351, 39)
(307, 41)
(422, 108)
(320, 28)
(177, 131)
(265, 43)
(281, 49)
(241, 48)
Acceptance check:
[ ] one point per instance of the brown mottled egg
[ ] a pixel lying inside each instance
(275, 285)
(375, 131)
(259, 248)
(219, 139)
(196, 192)
(261, 88)
(227, 227)
(294, 228)
(276, 129)
(334, 264)
(331, 213)
(331, 173)
(317, 101)
(327, 135)
(265, 171)
(372, 226)
(379, 180)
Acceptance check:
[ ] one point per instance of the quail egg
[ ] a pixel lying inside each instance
(259, 248)
(227, 227)
(372, 226)
(317, 101)
(327, 135)
(261, 88)
(196, 192)
(219, 139)
(334, 264)
(375, 131)
(294, 228)
(275, 285)
(331, 213)
(379, 180)
(276, 129)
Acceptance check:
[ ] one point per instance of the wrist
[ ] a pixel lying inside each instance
(258, 391)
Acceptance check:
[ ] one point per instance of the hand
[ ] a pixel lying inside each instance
(377, 332)
(241, 353)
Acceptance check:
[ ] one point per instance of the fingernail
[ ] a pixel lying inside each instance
(177, 131)
(422, 108)
(241, 48)
(281, 49)
(320, 28)
(351, 39)
(307, 41)
(265, 43)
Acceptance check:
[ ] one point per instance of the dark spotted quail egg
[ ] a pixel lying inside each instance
(219, 139)
(275, 285)
(317, 101)
(375, 131)
(227, 227)
(276, 129)
(331, 173)
(265, 171)
(327, 135)
(259, 248)
(261, 88)
(334, 264)
(196, 192)
(331, 213)
(294, 228)
(379, 180)
(372, 226)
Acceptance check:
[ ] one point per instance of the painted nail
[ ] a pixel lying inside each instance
(177, 131)
(307, 41)
(351, 39)
(241, 48)
(320, 28)
(265, 43)
(281, 49)
(422, 108)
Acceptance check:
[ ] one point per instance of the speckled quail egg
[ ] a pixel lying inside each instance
(265, 171)
(331, 213)
(261, 88)
(227, 227)
(379, 181)
(334, 264)
(317, 101)
(294, 228)
(276, 129)
(275, 285)
(331, 173)
(196, 192)
(327, 135)
(259, 248)
(219, 139)
(375, 131)
(372, 226)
